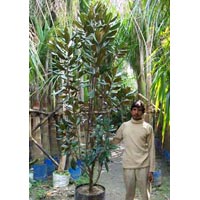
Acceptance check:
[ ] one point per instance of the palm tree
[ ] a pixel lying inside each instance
(141, 31)
(160, 89)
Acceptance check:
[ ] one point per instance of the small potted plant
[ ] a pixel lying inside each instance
(61, 176)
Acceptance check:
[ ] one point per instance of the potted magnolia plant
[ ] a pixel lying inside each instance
(96, 31)
(84, 59)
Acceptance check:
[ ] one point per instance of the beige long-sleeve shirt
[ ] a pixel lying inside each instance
(138, 138)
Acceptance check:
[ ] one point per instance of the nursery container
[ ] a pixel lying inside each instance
(61, 179)
(81, 192)
(166, 155)
(40, 172)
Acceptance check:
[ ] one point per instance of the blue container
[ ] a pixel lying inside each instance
(79, 162)
(157, 178)
(75, 173)
(166, 155)
(40, 172)
(50, 166)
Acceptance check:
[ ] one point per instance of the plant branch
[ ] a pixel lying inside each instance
(99, 173)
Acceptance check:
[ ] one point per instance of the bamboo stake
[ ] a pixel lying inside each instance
(43, 150)
(45, 119)
(38, 112)
(36, 143)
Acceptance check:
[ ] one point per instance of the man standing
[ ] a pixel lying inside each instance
(139, 155)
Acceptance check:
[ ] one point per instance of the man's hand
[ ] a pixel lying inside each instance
(114, 141)
(150, 177)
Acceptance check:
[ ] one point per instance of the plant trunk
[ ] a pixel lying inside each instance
(44, 127)
(141, 79)
(141, 72)
(91, 177)
(62, 163)
(149, 117)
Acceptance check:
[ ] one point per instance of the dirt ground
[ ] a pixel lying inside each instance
(112, 181)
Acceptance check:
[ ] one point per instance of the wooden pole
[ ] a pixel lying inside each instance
(45, 119)
(35, 129)
(44, 151)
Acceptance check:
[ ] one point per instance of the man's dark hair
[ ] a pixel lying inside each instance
(138, 104)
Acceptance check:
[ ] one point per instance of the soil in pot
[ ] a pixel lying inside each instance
(82, 192)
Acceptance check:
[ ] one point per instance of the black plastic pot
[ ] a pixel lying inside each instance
(81, 195)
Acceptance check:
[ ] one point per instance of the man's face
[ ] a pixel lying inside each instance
(136, 113)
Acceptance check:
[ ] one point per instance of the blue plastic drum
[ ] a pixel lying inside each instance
(50, 166)
(40, 172)
(157, 176)
(75, 173)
